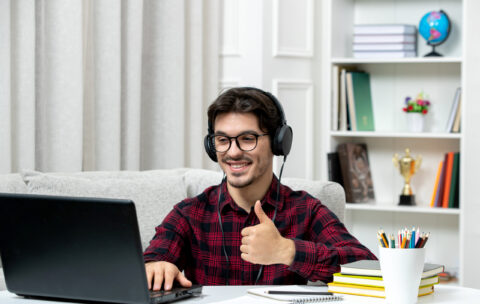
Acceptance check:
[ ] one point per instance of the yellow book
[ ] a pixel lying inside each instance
(435, 189)
(375, 281)
(369, 291)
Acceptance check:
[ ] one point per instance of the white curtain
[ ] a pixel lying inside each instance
(106, 84)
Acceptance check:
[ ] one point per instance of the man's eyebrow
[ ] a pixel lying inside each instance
(242, 133)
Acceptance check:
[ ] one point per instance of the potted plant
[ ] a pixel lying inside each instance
(416, 110)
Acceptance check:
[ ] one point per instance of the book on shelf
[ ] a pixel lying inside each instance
(453, 196)
(335, 97)
(334, 170)
(381, 29)
(446, 188)
(384, 54)
(359, 95)
(372, 268)
(356, 175)
(458, 116)
(370, 291)
(448, 180)
(435, 189)
(453, 110)
(392, 38)
(373, 47)
(375, 281)
(352, 119)
(343, 101)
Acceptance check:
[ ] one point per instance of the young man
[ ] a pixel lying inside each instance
(226, 235)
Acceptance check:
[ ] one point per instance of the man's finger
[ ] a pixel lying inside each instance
(158, 279)
(262, 216)
(243, 248)
(246, 231)
(183, 280)
(149, 277)
(245, 257)
(169, 277)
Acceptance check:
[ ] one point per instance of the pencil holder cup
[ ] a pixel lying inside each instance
(402, 271)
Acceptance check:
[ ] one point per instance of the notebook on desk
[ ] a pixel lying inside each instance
(85, 249)
(295, 294)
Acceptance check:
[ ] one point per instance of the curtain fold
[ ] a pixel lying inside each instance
(106, 85)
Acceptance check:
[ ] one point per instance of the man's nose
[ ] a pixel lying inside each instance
(234, 148)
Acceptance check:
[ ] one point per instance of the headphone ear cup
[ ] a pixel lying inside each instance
(282, 142)
(207, 142)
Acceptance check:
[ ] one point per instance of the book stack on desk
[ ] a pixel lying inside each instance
(364, 278)
(384, 41)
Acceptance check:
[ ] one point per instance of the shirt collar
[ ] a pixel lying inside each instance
(270, 197)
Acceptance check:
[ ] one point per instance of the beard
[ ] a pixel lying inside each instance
(235, 177)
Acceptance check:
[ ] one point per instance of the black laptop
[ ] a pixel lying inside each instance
(85, 249)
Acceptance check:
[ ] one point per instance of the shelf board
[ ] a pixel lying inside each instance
(395, 134)
(396, 208)
(348, 60)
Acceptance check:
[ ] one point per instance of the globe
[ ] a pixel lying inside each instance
(434, 27)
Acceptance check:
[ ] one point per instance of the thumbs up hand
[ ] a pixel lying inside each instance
(263, 244)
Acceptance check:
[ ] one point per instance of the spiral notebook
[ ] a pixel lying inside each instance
(294, 298)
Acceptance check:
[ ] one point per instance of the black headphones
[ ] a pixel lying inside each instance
(281, 142)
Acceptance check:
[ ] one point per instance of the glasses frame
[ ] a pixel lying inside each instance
(236, 141)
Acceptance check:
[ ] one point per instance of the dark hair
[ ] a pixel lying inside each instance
(246, 100)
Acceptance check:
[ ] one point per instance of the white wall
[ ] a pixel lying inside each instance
(270, 44)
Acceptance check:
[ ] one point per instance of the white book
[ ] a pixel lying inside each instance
(453, 110)
(335, 96)
(384, 29)
(294, 298)
(396, 38)
(351, 103)
(343, 100)
(384, 47)
(384, 54)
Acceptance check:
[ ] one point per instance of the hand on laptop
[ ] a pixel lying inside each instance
(166, 273)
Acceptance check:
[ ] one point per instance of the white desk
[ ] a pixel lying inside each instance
(443, 294)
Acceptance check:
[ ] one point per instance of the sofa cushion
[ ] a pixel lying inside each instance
(12, 183)
(330, 194)
(197, 180)
(154, 195)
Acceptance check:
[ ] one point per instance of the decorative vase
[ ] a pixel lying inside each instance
(415, 122)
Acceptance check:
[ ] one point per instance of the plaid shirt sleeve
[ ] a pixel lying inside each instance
(170, 239)
(329, 246)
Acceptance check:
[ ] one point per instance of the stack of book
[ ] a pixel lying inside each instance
(364, 278)
(352, 106)
(446, 190)
(384, 41)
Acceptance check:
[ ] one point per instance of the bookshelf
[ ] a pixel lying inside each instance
(391, 81)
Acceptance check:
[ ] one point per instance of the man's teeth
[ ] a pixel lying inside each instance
(238, 166)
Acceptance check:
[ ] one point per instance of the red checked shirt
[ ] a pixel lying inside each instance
(191, 238)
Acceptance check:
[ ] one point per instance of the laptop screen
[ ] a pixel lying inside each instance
(72, 248)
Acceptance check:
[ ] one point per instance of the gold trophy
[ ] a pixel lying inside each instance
(408, 166)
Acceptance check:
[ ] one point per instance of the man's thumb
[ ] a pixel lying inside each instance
(262, 216)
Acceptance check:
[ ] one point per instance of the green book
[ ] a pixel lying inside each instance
(363, 101)
(454, 181)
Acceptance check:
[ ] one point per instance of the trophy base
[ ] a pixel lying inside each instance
(407, 200)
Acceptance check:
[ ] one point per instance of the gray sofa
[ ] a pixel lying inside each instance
(154, 192)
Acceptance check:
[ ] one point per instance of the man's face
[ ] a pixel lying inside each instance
(243, 168)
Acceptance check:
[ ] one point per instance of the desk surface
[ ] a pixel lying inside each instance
(443, 294)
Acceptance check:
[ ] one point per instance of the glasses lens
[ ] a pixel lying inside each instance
(222, 143)
(247, 142)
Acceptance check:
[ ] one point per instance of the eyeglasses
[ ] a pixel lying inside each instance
(245, 142)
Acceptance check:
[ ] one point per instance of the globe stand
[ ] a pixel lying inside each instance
(433, 53)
